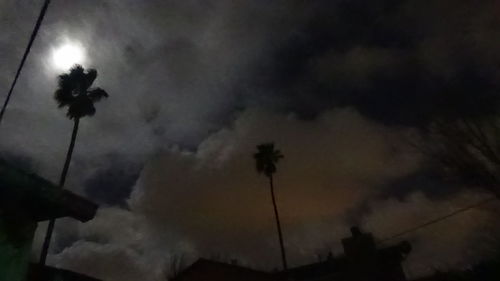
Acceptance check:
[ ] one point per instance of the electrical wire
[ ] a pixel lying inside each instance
(25, 56)
(439, 219)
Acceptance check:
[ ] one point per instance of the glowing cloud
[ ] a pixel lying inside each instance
(67, 55)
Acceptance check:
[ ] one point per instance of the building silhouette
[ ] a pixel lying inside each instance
(25, 200)
(361, 261)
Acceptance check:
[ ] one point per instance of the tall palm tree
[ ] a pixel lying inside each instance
(74, 92)
(266, 159)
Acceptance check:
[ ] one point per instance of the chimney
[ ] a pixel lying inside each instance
(329, 256)
(359, 245)
(355, 231)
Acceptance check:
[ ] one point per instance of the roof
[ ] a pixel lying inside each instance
(39, 272)
(363, 261)
(338, 267)
(204, 269)
(319, 270)
(28, 195)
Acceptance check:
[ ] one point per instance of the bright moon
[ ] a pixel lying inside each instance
(67, 55)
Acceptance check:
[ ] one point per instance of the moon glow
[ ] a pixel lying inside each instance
(67, 55)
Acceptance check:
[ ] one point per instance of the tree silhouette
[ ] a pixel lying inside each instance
(74, 92)
(266, 159)
(176, 264)
(465, 150)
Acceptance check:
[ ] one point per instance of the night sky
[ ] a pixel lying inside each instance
(195, 85)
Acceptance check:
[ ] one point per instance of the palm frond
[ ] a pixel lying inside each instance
(81, 107)
(64, 81)
(77, 74)
(90, 77)
(77, 71)
(73, 92)
(259, 164)
(266, 158)
(97, 94)
(63, 97)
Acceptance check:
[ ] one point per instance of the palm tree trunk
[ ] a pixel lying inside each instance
(62, 180)
(278, 224)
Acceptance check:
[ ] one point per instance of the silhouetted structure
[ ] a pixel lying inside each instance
(38, 272)
(208, 270)
(25, 200)
(488, 270)
(362, 261)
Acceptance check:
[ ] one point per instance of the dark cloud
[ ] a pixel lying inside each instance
(427, 181)
(113, 185)
(389, 60)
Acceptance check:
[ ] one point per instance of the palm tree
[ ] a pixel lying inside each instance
(74, 92)
(266, 159)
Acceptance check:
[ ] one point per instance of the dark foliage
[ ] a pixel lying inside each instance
(466, 150)
(75, 92)
(266, 158)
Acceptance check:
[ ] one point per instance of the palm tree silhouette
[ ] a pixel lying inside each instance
(266, 159)
(74, 92)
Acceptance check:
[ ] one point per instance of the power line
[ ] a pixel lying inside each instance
(439, 219)
(26, 52)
